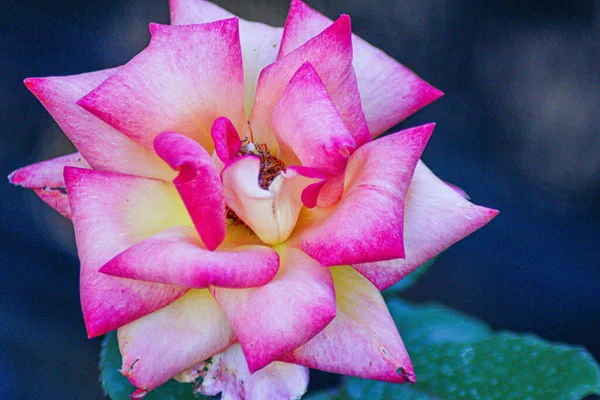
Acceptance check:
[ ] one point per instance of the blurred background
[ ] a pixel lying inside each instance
(517, 129)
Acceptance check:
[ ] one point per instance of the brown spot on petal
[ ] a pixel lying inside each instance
(407, 375)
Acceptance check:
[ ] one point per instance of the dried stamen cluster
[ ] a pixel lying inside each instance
(233, 219)
(270, 167)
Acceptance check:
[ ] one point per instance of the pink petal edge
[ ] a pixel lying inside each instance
(47, 181)
(436, 216)
(160, 345)
(226, 139)
(177, 256)
(367, 223)
(160, 90)
(389, 91)
(274, 319)
(102, 146)
(330, 53)
(362, 340)
(308, 126)
(198, 183)
(110, 214)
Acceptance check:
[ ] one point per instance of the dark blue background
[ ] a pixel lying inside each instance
(517, 129)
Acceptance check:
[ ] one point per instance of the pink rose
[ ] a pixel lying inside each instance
(228, 190)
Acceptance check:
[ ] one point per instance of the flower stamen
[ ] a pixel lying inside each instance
(270, 166)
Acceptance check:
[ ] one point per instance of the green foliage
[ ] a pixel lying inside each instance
(458, 357)
(117, 387)
(454, 356)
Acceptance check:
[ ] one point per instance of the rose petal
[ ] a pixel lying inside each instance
(362, 340)
(389, 91)
(169, 87)
(367, 223)
(330, 53)
(226, 139)
(198, 184)
(160, 345)
(309, 127)
(273, 319)
(228, 373)
(112, 212)
(102, 146)
(46, 180)
(260, 42)
(271, 214)
(178, 257)
(436, 217)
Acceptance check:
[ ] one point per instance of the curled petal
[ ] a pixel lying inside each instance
(177, 256)
(274, 319)
(102, 146)
(436, 216)
(367, 223)
(226, 139)
(159, 346)
(307, 125)
(198, 184)
(260, 42)
(389, 91)
(330, 53)
(169, 87)
(112, 212)
(47, 181)
(362, 340)
(228, 373)
(271, 214)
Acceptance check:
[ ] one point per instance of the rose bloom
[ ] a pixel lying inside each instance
(230, 203)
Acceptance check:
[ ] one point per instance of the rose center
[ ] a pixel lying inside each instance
(270, 167)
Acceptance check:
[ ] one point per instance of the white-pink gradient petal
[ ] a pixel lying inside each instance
(436, 216)
(362, 340)
(367, 224)
(389, 91)
(272, 213)
(330, 53)
(260, 42)
(160, 345)
(274, 319)
(198, 184)
(111, 213)
(227, 373)
(167, 87)
(308, 127)
(47, 181)
(177, 256)
(103, 147)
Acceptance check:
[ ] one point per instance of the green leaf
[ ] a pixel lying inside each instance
(409, 280)
(507, 366)
(425, 325)
(458, 357)
(360, 389)
(117, 387)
